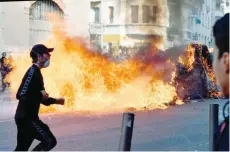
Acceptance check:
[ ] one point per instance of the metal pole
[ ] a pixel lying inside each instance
(213, 124)
(126, 132)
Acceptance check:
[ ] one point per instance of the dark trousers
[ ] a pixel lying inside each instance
(3, 83)
(30, 130)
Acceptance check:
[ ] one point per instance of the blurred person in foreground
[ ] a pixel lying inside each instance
(31, 94)
(221, 70)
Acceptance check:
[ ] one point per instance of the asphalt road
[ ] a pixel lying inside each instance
(182, 127)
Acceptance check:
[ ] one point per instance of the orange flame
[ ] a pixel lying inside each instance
(188, 58)
(89, 81)
(172, 71)
(210, 73)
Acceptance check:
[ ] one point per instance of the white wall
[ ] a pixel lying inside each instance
(15, 24)
(78, 17)
(1, 32)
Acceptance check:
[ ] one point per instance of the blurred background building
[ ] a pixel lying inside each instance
(106, 23)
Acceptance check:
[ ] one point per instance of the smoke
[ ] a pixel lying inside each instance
(163, 13)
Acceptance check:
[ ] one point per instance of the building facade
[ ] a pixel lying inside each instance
(191, 21)
(202, 30)
(1, 29)
(23, 24)
(220, 9)
(130, 23)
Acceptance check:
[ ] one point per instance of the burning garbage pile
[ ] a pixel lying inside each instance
(193, 74)
(200, 81)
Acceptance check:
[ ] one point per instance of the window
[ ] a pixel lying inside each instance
(39, 10)
(195, 37)
(96, 14)
(155, 13)
(217, 6)
(111, 14)
(227, 4)
(189, 35)
(145, 14)
(134, 14)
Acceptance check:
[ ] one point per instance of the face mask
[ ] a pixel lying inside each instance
(46, 64)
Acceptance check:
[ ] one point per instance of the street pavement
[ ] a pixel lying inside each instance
(182, 127)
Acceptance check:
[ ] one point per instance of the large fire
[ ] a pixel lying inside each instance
(90, 82)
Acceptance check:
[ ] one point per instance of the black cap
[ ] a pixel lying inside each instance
(40, 49)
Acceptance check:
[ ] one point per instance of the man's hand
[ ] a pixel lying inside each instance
(45, 95)
(60, 101)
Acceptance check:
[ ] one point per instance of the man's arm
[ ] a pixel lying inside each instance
(27, 85)
(50, 101)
